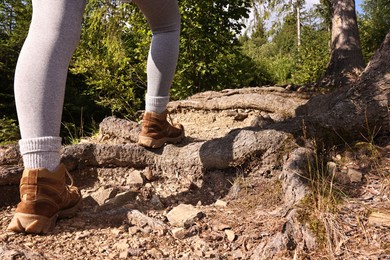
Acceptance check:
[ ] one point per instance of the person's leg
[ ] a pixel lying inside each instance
(40, 78)
(163, 17)
(39, 93)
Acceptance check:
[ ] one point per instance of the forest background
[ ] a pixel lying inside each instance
(224, 44)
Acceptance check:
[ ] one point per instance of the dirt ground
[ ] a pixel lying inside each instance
(240, 209)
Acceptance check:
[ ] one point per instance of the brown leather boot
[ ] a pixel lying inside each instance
(44, 197)
(156, 131)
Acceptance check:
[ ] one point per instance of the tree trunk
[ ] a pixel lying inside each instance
(363, 109)
(346, 60)
(298, 25)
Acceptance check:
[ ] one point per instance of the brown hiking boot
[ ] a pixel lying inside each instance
(156, 131)
(44, 197)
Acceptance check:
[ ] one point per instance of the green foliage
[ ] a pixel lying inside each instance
(14, 22)
(285, 37)
(325, 10)
(374, 24)
(111, 75)
(81, 113)
(209, 47)
(279, 56)
(281, 67)
(275, 57)
(312, 57)
(9, 131)
(74, 132)
(115, 41)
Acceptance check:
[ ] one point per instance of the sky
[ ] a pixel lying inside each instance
(357, 3)
(358, 8)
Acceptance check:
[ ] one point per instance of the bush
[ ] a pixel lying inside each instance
(312, 58)
(9, 131)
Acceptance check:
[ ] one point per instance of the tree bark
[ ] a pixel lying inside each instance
(363, 109)
(346, 60)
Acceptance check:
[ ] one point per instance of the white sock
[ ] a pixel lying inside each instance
(156, 104)
(41, 152)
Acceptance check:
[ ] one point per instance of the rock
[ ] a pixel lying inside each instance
(25, 253)
(10, 175)
(122, 245)
(339, 177)
(338, 157)
(220, 203)
(179, 233)
(135, 179)
(200, 247)
(379, 219)
(141, 220)
(9, 154)
(332, 168)
(230, 235)
(240, 116)
(9, 195)
(116, 231)
(104, 194)
(81, 235)
(147, 230)
(342, 178)
(148, 173)
(237, 115)
(221, 226)
(124, 254)
(134, 252)
(294, 186)
(184, 215)
(155, 200)
(211, 254)
(3, 237)
(354, 175)
(308, 238)
(237, 254)
(122, 198)
(121, 129)
(155, 253)
(10, 254)
(133, 230)
(261, 121)
(292, 235)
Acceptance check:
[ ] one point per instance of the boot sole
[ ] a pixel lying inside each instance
(157, 143)
(31, 223)
(37, 224)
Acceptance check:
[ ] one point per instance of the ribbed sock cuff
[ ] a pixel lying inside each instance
(41, 152)
(156, 104)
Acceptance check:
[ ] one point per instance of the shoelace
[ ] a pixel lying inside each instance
(170, 118)
(70, 177)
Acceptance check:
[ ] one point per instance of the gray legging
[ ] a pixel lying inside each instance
(54, 35)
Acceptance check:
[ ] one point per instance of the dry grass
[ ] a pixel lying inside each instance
(339, 221)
